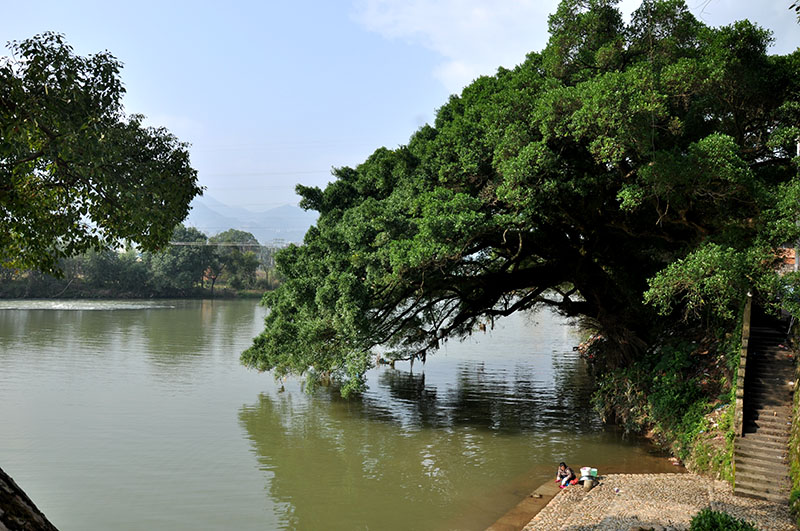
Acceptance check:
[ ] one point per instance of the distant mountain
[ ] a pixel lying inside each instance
(285, 223)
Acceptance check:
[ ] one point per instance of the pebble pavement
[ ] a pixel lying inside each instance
(663, 502)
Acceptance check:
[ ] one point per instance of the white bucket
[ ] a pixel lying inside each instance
(586, 471)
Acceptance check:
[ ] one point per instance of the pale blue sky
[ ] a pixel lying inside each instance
(270, 94)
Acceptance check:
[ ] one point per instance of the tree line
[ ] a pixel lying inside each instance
(192, 265)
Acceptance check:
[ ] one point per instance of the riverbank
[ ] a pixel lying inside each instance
(652, 501)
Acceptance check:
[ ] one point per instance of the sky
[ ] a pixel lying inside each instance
(271, 94)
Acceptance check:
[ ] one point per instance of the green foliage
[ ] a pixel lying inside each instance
(630, 175)
(712, 450)
(709, 520)
(76, 173)
(177, 271)
(679, 392)
(235, 259)
(180, 267)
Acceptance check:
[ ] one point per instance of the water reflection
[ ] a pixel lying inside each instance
(176, 338)
(430, 449)
(142, 412)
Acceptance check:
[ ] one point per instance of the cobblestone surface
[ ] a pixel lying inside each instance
(623, 502)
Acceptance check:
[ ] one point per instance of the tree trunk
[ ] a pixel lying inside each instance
(17, 511)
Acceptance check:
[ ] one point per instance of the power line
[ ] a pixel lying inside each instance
(227, 244)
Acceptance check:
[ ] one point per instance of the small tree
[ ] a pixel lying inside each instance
(182, 265)
(235, 252)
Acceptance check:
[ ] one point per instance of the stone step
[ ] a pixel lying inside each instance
(775, 423)
(779, 393)
(766, 411)
(770, 359)
(775, 404)
(754, 466)
(766, 407)
(767, 383)
(770, 384)
(765, 329)
(767, 378)
(755, 491)
(767, 343)
(760, 366)
(760, 459)
(768, 327)
(767, 443)
(771, 368)
(781, 411)
(776, 431)
(776, 479)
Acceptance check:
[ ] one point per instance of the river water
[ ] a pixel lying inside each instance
(136, 415)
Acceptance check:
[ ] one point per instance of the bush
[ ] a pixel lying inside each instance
(708, 520)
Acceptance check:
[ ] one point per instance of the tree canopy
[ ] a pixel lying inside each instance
(623, 174)
(76, 173)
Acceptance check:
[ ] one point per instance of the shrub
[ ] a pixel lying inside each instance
(708, 520)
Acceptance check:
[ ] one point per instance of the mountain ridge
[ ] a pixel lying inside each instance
(280, 225)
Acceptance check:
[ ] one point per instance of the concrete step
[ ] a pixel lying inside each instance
(776, 430)
(777, 480)
(767, 328)
(752, 465)
(771, 368)
(766, 407)
(782, 391)
(765, 411)
(775, 423)
(782, 359)
(766, 345)
(769, 385)
(774, 409)
(767, 462)
(757, 366)
(754, 491)
(755, 441)
(762, 418)
(778, 393)
(767, 441)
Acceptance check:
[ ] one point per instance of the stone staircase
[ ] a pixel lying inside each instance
(761, 452)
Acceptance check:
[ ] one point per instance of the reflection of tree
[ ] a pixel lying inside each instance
(573, 403)
(332, 470)
(410, 401)
(196, 330)
(407, 447)
(508, 401)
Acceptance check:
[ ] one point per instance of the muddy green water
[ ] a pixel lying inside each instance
(137, 415)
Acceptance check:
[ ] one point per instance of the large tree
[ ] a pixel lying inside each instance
(75, 172)
(622, 163)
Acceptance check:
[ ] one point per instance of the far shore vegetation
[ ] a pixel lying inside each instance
(192, 265)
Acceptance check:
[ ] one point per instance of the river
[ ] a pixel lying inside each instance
(136, 415)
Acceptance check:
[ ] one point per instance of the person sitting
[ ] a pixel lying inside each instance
(565, 475)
